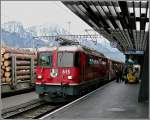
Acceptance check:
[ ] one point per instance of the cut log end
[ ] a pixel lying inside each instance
(7, 74)
(7, 63)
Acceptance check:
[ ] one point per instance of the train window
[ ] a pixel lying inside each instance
(65, 59)
(100, 60)
(45, 59)
(104, 61)
(93, 61)
(90, 60)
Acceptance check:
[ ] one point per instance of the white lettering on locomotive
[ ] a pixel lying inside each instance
(66, 71)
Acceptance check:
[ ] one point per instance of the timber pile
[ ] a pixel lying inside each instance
(22, 67)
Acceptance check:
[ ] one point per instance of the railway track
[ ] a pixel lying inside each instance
(31, 110)
(34, 109)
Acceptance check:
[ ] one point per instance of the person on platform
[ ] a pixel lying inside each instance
(120, 76)
(125, 72)
(117, 76)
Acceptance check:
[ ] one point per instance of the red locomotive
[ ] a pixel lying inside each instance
(69, 70)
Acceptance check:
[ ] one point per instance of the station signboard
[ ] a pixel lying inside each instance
(134, 52)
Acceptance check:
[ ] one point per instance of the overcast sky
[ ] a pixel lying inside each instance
(31, 13)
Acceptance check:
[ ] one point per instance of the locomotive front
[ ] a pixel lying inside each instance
(57, 74)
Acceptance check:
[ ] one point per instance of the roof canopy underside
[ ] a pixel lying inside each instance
(123, 22)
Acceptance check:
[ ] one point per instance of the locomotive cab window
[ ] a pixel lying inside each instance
(45, 59)
(68, 59)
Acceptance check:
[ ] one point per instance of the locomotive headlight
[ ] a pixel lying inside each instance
(39, 76)
(69, 77)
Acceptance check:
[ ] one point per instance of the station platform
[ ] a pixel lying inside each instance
(18, 99)
(114, 100)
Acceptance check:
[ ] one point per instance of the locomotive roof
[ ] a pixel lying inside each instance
(75, 48)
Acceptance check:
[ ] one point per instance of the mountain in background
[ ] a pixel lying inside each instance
(46, 30)
(13, 34)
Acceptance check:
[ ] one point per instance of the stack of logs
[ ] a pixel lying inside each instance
(22, 66)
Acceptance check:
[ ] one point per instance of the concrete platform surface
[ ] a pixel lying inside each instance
(114, 100)
(18, 99)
